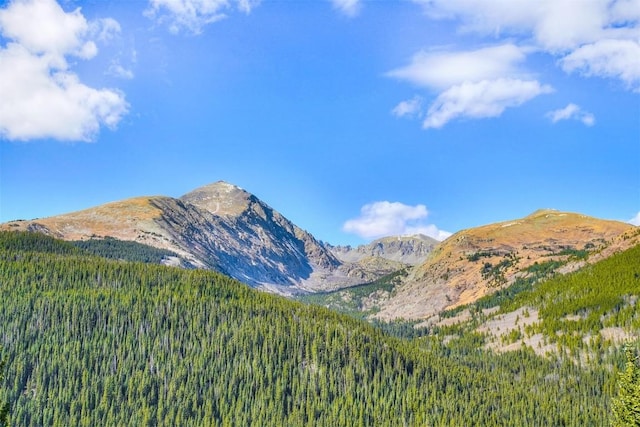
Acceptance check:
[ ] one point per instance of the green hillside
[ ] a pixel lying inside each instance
(583, 315)
(90, 341)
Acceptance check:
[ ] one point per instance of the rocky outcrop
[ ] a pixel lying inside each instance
(411, 250)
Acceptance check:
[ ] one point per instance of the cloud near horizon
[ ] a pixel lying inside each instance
(41, 96)
(380, 219)
(635, 220)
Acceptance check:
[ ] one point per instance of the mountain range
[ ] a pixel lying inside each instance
(224, 228)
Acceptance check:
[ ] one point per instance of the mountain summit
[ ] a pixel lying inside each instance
(220, 198)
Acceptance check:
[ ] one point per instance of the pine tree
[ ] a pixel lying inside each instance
(4, 407)
(626, 406)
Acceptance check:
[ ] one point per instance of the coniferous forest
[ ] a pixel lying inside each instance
(90, 341)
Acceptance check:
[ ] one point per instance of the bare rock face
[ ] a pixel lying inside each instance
(239, 235)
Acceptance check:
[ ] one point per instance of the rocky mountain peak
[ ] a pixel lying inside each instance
(220, 198)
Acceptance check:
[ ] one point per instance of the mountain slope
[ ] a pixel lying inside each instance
(579, 314)
(239, 235)
(476, 262)
(221, 227)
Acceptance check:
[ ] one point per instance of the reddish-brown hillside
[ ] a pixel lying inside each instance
(478, 261)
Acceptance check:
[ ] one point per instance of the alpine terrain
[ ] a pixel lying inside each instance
(223, 228)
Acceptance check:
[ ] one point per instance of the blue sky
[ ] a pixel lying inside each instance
(354, 119)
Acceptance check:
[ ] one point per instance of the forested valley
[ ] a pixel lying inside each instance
(90, 341)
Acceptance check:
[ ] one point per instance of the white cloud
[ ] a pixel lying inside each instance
(487, 98)
(410, 107)
(381, 219)
(597, 37)
(348, 7)
(41, 97)
(635, 220)
(193, 15)
(554, 24)
(474, 84)
(618, 59)
(573, 112)
(42, 27)
(117, 70)
(105, 29)
(593, 38)
(441, 70)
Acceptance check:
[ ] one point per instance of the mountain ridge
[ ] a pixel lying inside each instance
(222, 227)
(411, 249)
(478, 261)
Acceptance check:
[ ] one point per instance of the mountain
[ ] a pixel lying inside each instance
(220, 227)
(225, 228)
(411, 250)
(479, 261)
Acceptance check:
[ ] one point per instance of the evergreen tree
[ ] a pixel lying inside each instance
(4, 407)
(626, 406)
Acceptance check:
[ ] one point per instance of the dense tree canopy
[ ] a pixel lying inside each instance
(626, 405)
(4, 406)
(90, 341)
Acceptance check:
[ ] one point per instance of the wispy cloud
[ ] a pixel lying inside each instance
(41, 96)
(193, 15)
(117, 70)
(618, 59)
(408, 108)
(572, 112)
(348, 7)
(385, 218)
(635, 220)
(441, 70)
